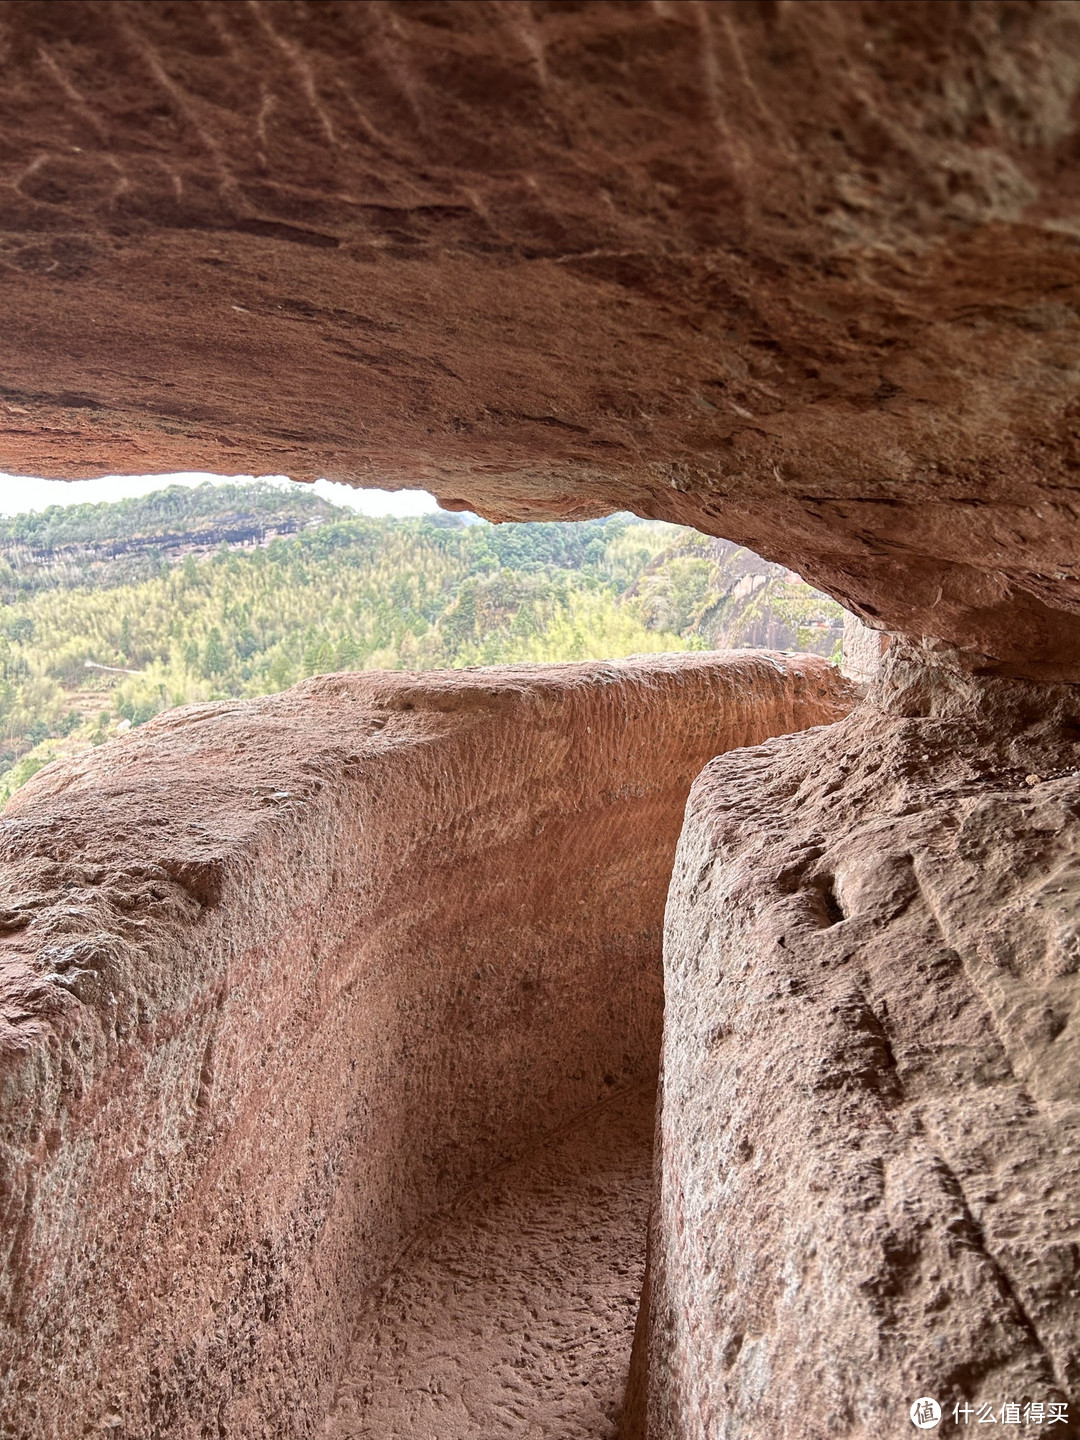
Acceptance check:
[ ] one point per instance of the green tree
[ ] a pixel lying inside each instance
(326, 590)
(215, 656)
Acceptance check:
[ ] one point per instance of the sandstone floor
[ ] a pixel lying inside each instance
(513, 1314)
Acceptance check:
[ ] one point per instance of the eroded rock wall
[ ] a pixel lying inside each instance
(801, 273)
(280, 977)
(870, 1151)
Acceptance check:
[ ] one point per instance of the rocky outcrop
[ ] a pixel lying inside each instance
(804, 276)
(801, 275)
(870, 1153)
(861, 650)
(280, 977)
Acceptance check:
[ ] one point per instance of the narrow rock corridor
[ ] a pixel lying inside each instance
(513, 1314)
(283, 976)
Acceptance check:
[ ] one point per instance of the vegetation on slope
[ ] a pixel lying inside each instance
(203, 513)
(114, 612)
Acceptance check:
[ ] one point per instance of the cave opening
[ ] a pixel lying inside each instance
(801, 275)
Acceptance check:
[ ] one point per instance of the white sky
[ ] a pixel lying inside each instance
(19, 493)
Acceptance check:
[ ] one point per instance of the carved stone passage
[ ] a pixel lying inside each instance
(800, 274)
(282, 977)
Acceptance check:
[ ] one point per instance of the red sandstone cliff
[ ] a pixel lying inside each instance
(280, 977)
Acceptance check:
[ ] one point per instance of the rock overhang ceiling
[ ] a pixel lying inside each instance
(804, 274)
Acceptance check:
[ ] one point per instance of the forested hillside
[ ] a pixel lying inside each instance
(114, 612)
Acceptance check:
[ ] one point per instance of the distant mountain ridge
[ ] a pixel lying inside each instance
(113, 612)
(111, 542)
(176, 512)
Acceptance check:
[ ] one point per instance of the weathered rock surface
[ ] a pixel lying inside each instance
(513, 1313)
(279, 978)
(862, 650)
(804, 275)
(870, 1127)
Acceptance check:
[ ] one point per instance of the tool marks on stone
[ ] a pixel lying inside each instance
(513, 1312)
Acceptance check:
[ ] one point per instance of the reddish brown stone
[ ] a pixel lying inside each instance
(800, 274)
(870, 1151)
(512, 1314)
(281, 977)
